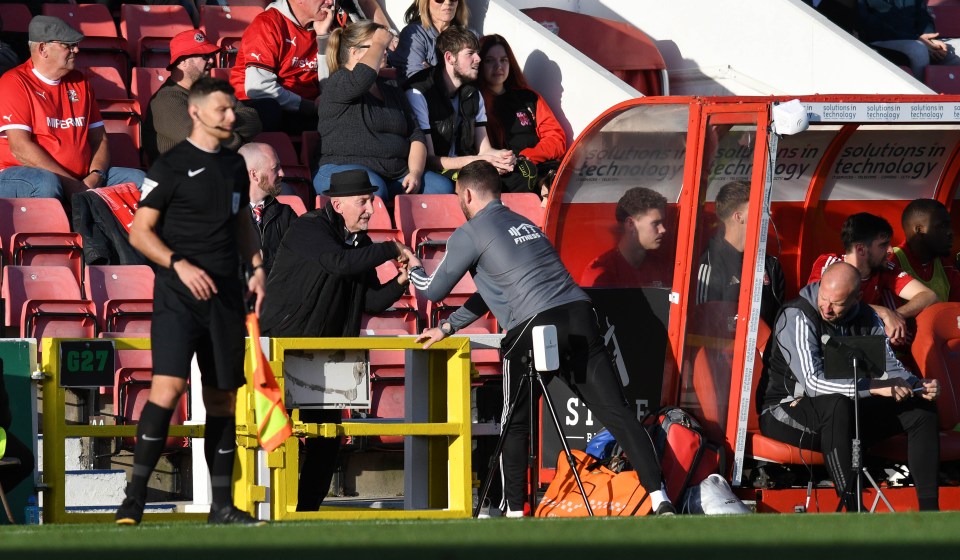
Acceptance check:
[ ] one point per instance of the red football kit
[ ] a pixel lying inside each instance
(873, 288)
(277, 44)
(59, 114)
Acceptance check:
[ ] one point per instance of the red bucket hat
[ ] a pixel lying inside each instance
(190, 43)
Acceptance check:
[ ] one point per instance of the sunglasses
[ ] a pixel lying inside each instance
(447, 1)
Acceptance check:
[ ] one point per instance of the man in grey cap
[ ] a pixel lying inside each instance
(52, 140)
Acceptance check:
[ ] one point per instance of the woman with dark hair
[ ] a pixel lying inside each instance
(425, 20)
(518, 119)
(366, 123)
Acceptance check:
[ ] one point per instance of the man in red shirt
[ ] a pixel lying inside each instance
(52, 140)
(866, 241)
(928, 250)
(278, 68)
(635, 261)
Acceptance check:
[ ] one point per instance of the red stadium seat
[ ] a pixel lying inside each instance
(101, 45)
(131, 388)
(105, 80)
(946, 20)
(309, 149)
(427, 220)
(621, 48)
(123, 296)
(16, 18)
(36, 231)
(526, 204)
(123, 150)
(145, 83)
(148, 30)
(386, 402)
(943, 79)
(44, 301)
(294, 202)
(224, 26)
(295, 175)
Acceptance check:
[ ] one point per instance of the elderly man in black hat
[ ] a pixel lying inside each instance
(52, 139)
(167, 122)
(323, 279)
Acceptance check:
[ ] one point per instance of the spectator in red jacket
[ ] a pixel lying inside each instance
(518, 119)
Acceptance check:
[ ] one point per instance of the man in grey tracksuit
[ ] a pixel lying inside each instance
(521, 280)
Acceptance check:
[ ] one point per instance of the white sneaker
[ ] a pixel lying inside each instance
(514, 514)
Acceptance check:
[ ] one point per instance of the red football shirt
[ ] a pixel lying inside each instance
(59, 114)
(277, 44)
(611, 270)
(873, 288)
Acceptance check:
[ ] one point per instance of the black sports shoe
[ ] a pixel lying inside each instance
(130, 512)
(666, 508)
(230, 515)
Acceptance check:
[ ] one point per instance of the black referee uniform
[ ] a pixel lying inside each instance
(199, 194)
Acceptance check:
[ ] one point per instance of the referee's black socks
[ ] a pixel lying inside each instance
(151, 439)
(220, 447)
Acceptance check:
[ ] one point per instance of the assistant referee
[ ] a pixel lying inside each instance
(521, 280)
(194, 225)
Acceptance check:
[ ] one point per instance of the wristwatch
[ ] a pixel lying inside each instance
(447, 328)
(174, 258)
(100, 173)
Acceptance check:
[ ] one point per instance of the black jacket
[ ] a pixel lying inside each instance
(104, 239)
(443, 120)
(275, 221)
(320, 285)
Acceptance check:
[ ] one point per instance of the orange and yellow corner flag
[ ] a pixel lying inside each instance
(273, 423)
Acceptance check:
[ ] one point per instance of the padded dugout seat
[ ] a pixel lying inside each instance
(936, 350)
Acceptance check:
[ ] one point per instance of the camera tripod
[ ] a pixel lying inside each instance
(856, 468)
(531, 380)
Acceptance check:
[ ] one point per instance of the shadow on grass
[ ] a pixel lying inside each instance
(471, 551)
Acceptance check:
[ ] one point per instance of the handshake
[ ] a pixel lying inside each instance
(406, 259)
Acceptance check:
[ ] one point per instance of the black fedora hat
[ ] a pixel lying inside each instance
(349, 183)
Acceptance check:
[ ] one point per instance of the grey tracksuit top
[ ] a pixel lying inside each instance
(517, 271)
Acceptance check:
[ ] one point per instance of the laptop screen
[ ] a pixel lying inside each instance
(839, 353)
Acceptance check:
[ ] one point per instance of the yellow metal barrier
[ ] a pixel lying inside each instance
(56, 431)
(437, 425)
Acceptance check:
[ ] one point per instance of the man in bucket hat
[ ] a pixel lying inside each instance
(167, 122)
(52, 140)
(323, 279)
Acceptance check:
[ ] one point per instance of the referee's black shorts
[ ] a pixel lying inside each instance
(213, 329)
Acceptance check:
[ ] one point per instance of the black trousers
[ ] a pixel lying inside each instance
(320, 456)
(587, 369)
(828, 422)
(273, 118)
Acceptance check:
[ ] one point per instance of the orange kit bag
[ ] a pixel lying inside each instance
(609, 493)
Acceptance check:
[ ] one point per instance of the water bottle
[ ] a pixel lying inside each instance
(31, 513)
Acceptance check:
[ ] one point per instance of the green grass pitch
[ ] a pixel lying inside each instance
(905, 536)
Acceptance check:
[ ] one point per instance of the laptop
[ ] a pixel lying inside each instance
(870, 353)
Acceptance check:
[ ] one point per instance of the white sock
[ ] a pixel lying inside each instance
(657, 497)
